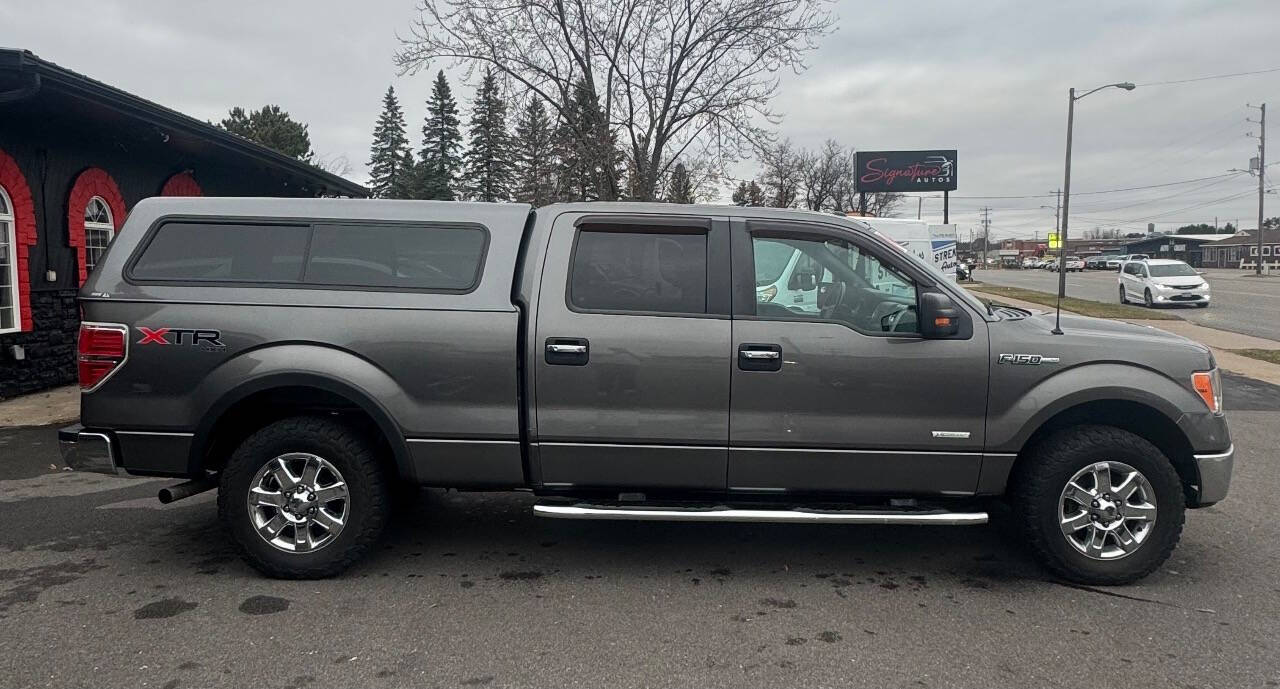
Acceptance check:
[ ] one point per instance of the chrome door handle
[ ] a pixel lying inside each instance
(760, 354)
(566, 348)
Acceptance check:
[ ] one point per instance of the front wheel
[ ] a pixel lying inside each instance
(1202, 305)
(303, 498)
(1146, 298)
(1124, 298)
(1099, 505)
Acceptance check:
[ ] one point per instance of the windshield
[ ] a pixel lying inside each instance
(771, 259)
(1170, 270)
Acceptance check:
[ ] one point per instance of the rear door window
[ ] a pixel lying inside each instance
(396, 256)
(224, 252)
(645, 272)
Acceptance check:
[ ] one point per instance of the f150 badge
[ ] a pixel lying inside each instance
(1026, 359)
(207, 340)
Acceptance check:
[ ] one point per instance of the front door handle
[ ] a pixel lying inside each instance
(759, 357)
(567, 351)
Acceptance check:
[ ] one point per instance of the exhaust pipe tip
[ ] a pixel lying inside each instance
(185, 489)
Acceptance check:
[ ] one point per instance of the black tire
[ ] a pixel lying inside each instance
(1123, 298)
(1202, 305)
(1146, 298)
(1036, 495)
(343, 447)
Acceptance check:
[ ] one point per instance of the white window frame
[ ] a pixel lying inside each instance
(9, 225)
(109, 227)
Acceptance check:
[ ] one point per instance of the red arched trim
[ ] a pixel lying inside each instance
(90, 183)
(24, 219)
(181, 184)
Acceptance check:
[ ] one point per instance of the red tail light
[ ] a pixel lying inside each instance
(102, 347)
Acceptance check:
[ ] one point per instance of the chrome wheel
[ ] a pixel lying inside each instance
(298, 502)
(1108, 509)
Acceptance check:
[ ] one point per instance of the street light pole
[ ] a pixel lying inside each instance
(1066, 189)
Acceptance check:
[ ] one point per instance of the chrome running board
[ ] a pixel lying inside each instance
(725, 514)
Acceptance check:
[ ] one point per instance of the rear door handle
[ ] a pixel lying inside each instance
(759, 357)
(567, 351)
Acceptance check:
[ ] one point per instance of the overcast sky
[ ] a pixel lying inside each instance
(987, 78)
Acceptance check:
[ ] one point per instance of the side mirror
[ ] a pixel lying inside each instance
(940, 318)
(803, 280)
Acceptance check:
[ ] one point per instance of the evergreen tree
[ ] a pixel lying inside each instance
(405, 182)
(488, 161)
(440, 159)
(271, 127)
(748, 194)
(534, 155)
(588, 149)
(390, 145)
(680, 185)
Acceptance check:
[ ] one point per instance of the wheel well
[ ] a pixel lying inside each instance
(262, 408)
(1134, 417)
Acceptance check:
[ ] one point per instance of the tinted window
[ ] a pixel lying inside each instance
(833, 280)
(1170, 270)
(639, 271)
(230, 252)
(409, 257)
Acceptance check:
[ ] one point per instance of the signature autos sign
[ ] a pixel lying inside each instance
(906, 171)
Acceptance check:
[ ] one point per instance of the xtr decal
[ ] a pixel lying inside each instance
(205, 339)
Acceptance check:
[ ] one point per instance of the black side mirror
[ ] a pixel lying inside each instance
(940, 318)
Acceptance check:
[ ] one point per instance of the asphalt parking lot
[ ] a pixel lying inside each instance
(102, 586)
(1240, 303)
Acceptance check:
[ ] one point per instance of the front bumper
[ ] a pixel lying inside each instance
(1215, 475)
(85, 450)
(1181, 296)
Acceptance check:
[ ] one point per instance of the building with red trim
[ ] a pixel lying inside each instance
(75, 156)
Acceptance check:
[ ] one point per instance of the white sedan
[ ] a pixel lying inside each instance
(1162, 281)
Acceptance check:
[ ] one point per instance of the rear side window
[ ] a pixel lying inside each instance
(411, 257)
(224, 252)
(415, 257)
(648, 272)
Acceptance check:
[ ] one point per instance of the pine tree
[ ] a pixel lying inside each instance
(386, 156)
(588, 150)
(680, 185)
(440, 159)
(487, 163)
(406, 179)
(534, 155)
(748, 194)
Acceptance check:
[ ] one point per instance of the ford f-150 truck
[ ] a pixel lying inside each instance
(311, 358)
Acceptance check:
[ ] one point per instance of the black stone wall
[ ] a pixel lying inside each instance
(50, 347)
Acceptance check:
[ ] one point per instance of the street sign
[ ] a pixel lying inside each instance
(1054, 242)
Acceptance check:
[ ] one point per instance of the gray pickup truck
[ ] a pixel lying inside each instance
(312, 358)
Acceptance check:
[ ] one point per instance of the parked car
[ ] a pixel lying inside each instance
(1163, 281)
(1114, 262)
(1095, 263)
(1073, 264)
(311, 358)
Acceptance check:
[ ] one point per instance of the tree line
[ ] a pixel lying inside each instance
(537, 159)
(824, 180)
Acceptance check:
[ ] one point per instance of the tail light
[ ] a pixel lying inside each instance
(1208, 385)
(102, 348)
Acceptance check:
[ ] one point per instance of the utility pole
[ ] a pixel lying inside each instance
(986, 233)
(1262, 175)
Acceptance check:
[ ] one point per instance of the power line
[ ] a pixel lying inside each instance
(1215, 76)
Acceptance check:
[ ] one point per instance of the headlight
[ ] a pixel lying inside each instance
(767, 294)
(1160, 286)
(1208, 384)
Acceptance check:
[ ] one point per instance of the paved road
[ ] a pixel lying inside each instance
(101, 587)
(1240, 304)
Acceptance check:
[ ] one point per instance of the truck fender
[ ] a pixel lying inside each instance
(1011, 424)
(291, 365)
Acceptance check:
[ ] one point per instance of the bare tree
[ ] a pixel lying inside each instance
(847, 199)
(781, 174)
(823, 172)
(669, 74)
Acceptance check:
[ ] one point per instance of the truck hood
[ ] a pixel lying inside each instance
(1086, 338)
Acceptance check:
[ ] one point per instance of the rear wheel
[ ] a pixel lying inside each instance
(1124, 298)
(303, 498)
(1098, 505)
